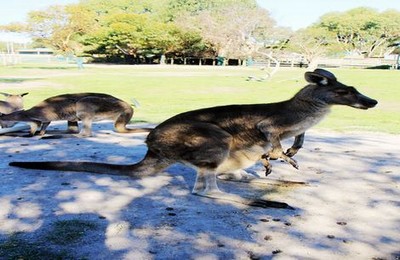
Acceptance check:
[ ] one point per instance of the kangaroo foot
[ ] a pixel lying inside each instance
(218, 195)
(291, 152)
(291, 161)
(274, 156)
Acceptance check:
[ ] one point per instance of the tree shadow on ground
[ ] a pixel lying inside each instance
(157, 218)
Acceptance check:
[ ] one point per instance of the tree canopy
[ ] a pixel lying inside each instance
(115, 30)
(362, 30)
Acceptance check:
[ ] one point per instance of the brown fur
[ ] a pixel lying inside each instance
(85, 107)
(11, 104)
(226, 139)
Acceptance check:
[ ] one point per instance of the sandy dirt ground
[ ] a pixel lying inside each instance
(349, 209)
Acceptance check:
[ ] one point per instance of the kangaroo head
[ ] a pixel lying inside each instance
(327, 89)
(15, 100)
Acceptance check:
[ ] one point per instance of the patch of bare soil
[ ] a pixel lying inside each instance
(348, 210)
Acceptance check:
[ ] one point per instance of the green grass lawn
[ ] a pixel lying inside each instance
(164, 91)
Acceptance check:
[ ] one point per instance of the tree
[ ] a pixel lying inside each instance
(58, 27)
(363, 30)
(312, 42)
(105, 7)
(230, 27)
(177, 8)
(137, 35)
(13, 27)
(136, 29)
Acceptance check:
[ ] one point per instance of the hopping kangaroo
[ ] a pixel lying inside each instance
(11, 104)
(225, 139)
(85, 107)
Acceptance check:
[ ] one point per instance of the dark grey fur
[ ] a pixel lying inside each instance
(226, 139)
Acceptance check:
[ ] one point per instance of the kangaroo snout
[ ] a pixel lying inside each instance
(365, 102)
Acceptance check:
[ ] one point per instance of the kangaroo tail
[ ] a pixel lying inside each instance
(136, 130)
(143, 168)
(149, 165)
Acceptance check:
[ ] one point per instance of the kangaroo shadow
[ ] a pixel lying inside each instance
(156, 217)
(143, 217)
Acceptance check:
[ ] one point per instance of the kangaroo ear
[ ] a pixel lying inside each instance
(320, 77)
(24, 94)
(313, 78)
(5, 94)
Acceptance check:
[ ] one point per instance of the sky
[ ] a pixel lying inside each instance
(298, 14)
(16, 11)
(295, 14)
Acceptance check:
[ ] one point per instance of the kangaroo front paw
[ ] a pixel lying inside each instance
(290, 161)
(293, 163)
(281, 155)
(268, 169)
(291, 152)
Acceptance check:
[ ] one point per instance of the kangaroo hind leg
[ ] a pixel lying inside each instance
(206, 186)
(236, 175)
(86, 116)
(206, 147)
(123, 119)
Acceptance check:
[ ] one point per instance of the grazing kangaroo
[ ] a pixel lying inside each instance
(85, 107)
(225, 139)
(11, 104)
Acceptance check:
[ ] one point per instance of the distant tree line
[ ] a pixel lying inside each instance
(362, 31)
(145, 31)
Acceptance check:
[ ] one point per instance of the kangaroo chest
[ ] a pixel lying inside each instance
(302, 124)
